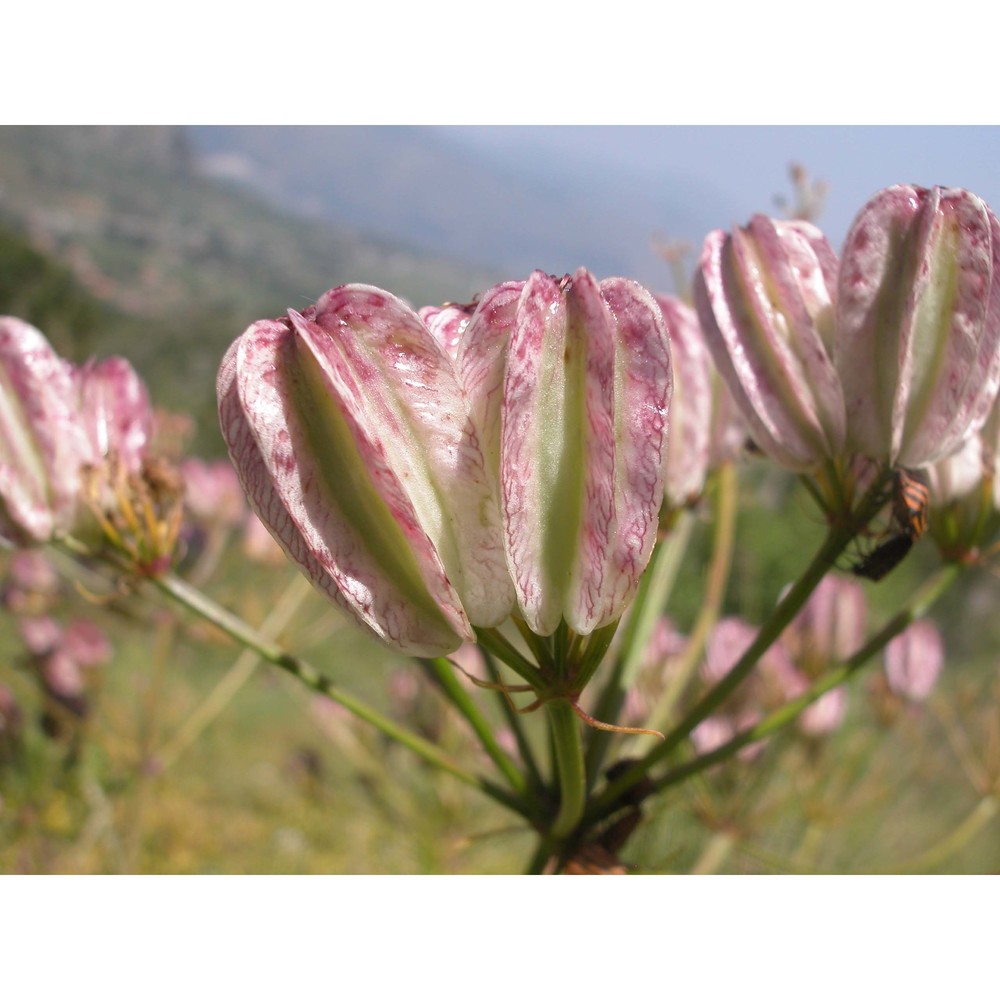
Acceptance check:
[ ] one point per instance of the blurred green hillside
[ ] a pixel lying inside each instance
(112, 242)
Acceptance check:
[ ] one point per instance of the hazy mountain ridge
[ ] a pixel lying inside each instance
(130, 212)
(439, 194)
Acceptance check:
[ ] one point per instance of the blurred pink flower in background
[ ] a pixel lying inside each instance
(212, 492)
(913, 661)
(829, 628)
(43, 446)
(58, 425)
(115, 411)
(259, 544)
(31, 584)
(826, 714)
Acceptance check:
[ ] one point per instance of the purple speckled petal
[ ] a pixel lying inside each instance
(114, 410)
(919, 322)
(447, 324)
(687, 451)
(640, 402)
(315, 489)
(585, 398)
(41, 443)
(410, 400)
(765, 303)
(539, 461)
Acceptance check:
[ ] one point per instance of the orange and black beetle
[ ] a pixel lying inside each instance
(910, 503)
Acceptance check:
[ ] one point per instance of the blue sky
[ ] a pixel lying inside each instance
(747, 165)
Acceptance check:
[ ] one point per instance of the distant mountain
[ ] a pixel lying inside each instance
(132, 214)
(422, 187)
(152, 259)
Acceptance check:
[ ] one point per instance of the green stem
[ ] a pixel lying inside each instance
(837, 539)
(654, 592)
(539, 858)
(791, 710)
(514, 720)
(711, 605)
(238, 674)
(540, 646)
(497, 644)
(443, 675)
(568, 748)
(236, 628)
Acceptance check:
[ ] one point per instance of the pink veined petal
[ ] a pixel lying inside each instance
(481, 361)
(412, 402)
(876, 269)
(954, 342)
(42, 445)
(755, 393)
(586, 391)
(590, 360)
(447, 324)
(643, 384)
(688, 445)
(540, 511)
(313, 485)
(783, 286)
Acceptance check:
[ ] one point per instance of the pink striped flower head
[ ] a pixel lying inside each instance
(918, 323)
(427, 494)
(765, 296)
(569, 383)
(349, 432)
(42, 443)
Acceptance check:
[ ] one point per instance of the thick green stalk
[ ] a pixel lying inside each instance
(568, 747)
(442, 674)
